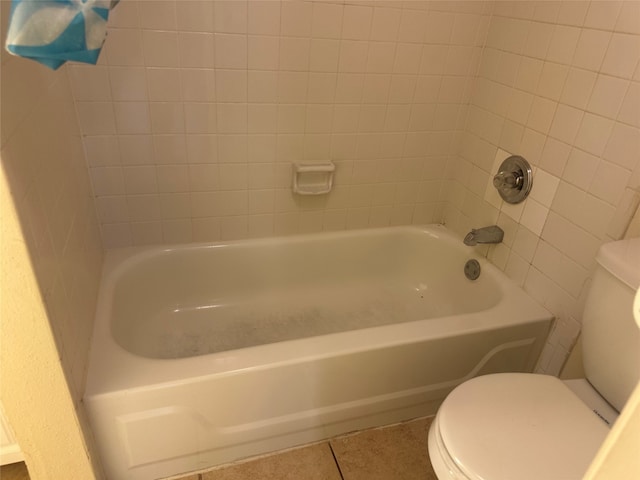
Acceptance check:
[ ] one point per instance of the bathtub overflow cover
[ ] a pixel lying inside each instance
(472, 269)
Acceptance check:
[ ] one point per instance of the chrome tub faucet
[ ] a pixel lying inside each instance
(491, 234)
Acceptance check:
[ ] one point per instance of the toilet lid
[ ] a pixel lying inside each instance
(486, 433)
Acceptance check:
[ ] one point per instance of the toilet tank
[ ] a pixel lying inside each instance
(610, 336)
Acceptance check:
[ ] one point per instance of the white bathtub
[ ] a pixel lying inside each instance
(204, 354)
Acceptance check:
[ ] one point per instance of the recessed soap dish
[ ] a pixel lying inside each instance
(313, 178)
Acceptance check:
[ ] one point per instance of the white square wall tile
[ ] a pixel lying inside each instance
(573, 13)
(136, 149)
(321, 88)
(140, 179)
(96, 118)
(201, 148)
(630, 110)
(160, 49)
(264, 17)
(580, 169)
(175, 205)
(295, 19)
(569, 201)
(262, 118)
(593, 134)
(541, 114)
(146, 233)
(167, 117)
(102, 151)
(230, 51)
(552, 80)
(262, 87)
(90, 83)
(204, 178)
(353, 56)
(230, 16)
(602, 14)
(123, 46)
(169, 149)
(294, 54)
(622, 55)
(628, 18)
(172, 178)
(326, 20)
(164, 84)
(578, 87)
(263, 52)
(356, 22)
(107, 181)
(554, 156)
(197, 85)
(132, 117)
(412, 26)
(201, 118)
(112, 209)
(125, 17)
(563, 44)
(128, 83)
(231, 86)
(157, 15)
(292, 87)
(116, 235)
(609, 182)
(196, 50)
(177, 231)
(607, 96)
(591, 49)
(623, 147)
(566, 123)
(194, 16)
(438, 27)
(324, 55)
(544, 187)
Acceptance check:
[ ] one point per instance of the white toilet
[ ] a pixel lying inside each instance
(522, 426)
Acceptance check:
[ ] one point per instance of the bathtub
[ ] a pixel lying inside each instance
(204, 354)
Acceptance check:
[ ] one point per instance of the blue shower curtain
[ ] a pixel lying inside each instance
(54, 31)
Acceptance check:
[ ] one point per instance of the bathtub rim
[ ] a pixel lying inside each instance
(112, 368)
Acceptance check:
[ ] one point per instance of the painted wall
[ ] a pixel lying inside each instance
(33, 390)
(559, 83)
(47, 189)
(198, 109)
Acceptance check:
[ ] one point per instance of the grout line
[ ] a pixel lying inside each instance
(335, 459)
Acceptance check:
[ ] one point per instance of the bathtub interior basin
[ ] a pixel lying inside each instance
(186, 301)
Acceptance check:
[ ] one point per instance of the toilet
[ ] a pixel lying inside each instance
(524, 426)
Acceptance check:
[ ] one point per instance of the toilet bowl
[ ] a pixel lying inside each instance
(490, 438)
(522, 426)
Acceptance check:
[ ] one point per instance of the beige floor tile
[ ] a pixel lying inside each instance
(14, 471)
(194, 476)
(314, 462)
(397, 452)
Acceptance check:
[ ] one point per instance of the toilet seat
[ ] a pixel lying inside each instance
(477, 425)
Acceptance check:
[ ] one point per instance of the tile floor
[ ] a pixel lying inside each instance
(14, 471)
(395, 452)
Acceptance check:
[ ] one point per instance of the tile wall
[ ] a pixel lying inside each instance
(559, 83)
(198, 109)
(43, 160)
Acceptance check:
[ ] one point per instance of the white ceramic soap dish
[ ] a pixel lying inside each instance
(313, 178)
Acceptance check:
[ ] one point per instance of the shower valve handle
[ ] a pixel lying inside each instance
(507, 180)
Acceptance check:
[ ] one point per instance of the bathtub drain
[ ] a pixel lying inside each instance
(472, 269)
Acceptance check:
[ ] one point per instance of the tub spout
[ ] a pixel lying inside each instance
(491, 234)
